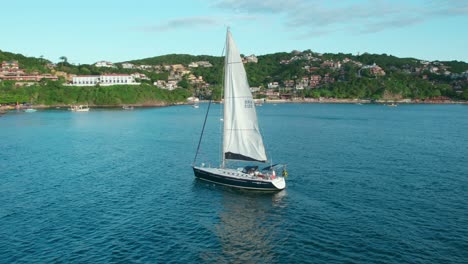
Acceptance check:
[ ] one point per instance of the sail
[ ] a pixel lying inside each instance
(242, 138)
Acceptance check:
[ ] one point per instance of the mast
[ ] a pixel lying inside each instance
(224, 93)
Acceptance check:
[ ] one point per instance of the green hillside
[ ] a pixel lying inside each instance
(29, 64)
(364, 76)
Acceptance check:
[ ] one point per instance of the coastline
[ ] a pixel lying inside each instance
(67, 106)
(279, 101)
(362, 101)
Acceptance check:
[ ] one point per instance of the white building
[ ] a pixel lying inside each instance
(273, 85)
(127, 65)
(104, 80)
(106, 64)
(255, 89)
(252, 58)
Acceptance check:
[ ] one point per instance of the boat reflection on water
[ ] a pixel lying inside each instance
(248, 227)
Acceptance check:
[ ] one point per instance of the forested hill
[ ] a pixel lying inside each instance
(297, 73)
(340, 75)
(29, 64)
(184, 59)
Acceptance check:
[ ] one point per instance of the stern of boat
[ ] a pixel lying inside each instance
(279, 183)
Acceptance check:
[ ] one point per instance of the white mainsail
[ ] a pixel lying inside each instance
(242, 138)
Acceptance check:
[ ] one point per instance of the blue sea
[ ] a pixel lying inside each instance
(367, 184)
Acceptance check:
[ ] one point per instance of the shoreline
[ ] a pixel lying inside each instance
(358, 101)
(280, 101)
(67, 106)
(349, 101)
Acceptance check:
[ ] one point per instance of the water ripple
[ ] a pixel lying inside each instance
(366, 185)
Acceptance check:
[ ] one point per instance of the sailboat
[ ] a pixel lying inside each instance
(242, 140)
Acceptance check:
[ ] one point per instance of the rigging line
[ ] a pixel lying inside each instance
(201, 135)
(267, 149)
(221, 124)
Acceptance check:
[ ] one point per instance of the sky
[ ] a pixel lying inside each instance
(87, 31)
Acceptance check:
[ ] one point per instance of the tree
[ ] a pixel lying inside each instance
(64, 59)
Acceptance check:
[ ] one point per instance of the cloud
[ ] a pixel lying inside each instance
(363, 17)
(195, 23)
(183, 23)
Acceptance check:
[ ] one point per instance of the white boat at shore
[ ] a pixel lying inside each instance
(79, 108)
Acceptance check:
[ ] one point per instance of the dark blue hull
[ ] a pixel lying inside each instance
(235, 182)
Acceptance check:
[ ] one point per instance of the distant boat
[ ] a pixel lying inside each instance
(126, 107)
(242, 140)
(392, 105)
(195, 106)
(29, 109)
(79, 108)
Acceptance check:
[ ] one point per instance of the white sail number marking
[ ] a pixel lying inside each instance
(248, 103)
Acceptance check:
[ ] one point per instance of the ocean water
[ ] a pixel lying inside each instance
(367, 184)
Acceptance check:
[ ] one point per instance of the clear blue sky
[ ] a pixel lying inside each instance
(88, 31)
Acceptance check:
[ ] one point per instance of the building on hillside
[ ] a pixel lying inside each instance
(10, 66)
(299, 86)
(315, 80)
(327, 79)
(304, 81)
(127, 65)
(145, 67)
(254, 89)
(205, 64)
(105, 64)
(289, 83)
(250, 59)
(104, 80)
(376, 70)
(272, 94)
(273, 85)
(35, 77)
(331, 64)
(10, 71)
(140, 76)
(193, 65)
(177, 67)
(166, 85)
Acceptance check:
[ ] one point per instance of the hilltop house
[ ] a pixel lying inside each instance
(127, 65)
(250, 59)
(11, 71)
(105, 64)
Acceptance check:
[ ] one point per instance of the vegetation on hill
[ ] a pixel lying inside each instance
(402, 78)
(184, 59)
(55, 93)
(29, 64)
